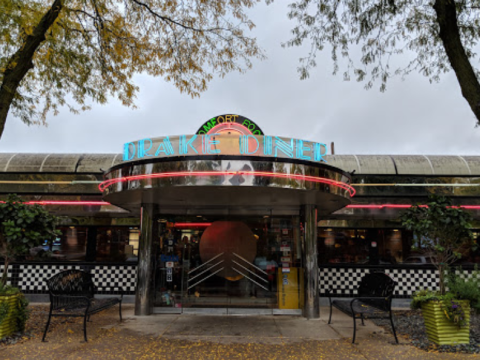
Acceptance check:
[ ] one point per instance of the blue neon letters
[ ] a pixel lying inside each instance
(211, 144)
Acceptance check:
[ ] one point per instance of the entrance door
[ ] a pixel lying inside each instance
(213, 264)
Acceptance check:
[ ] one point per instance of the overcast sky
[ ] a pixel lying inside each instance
(412, 117)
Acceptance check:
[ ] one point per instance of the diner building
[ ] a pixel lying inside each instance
(230, 220)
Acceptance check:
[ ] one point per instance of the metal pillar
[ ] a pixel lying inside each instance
(143, 292)
(311, 309)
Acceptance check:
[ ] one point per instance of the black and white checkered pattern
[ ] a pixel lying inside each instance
(346, 280)
(9, 273)
(411, 280)
(467, 274)
(32, 278)
(107, 278)
(341, 281)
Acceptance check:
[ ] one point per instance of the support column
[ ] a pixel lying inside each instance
(144, 289)
(311, 309)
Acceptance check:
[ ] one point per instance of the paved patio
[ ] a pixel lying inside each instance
(214, 337)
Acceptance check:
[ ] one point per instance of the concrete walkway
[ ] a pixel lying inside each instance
(248, 328)
(215, 337)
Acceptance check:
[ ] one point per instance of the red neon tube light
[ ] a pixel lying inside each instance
(190, 225)
(402, 206)
(314, 179)
(66, 202)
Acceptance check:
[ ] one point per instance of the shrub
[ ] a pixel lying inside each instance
(22, 227)
(22, 312)
(464, 289)
(440, 230)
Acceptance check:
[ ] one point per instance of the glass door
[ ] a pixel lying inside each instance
(229, 263)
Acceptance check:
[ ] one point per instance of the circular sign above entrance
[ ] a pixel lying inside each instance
(230, 124)
(232, 244)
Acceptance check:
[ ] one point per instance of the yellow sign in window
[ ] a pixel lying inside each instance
(289, 289)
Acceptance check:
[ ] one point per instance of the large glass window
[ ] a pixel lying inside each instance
(71, 245)
(378, 247)
(117, 243)
(362, 246)
(80, 243)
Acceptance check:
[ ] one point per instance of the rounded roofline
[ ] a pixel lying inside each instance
(426, 165)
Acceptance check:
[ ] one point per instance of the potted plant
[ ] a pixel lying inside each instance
(441, 230)
(22, 227)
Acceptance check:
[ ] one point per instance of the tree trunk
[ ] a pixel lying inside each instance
(441, 279)
(22, 61)
(4, 279)
(450, 36)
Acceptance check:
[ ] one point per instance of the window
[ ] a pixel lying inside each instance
(362, 246)
(69, 246)
(113, 243)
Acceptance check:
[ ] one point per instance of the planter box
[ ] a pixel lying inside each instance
(442, 331)
(9, 324)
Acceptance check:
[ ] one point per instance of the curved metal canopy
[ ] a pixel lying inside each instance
(449, 165)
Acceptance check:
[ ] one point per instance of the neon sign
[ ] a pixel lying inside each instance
(225, 144)
(234, 122)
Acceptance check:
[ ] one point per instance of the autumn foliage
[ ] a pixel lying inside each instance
(74, 52)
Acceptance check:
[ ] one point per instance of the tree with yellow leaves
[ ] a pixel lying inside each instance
(90, 50)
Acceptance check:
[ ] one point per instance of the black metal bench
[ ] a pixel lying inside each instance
(374, 299)
(72, 294)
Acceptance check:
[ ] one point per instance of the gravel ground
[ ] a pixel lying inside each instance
(411, 325)
(36, 325)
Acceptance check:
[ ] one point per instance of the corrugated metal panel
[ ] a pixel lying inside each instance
(4, 160)
(344, 162)
(473, 163)
(97, 163)
(25, 163)
(412, 164)
(376, 164)
(448, 165)
(61, 163)
(362, 164)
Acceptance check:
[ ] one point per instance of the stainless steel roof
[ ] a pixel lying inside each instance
(362, 164)
(407, 164)
(57, 163)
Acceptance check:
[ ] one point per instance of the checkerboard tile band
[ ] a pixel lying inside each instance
(346, 280)
(107, 278)
(9, 273)
(343, 281)
(32, 278)
(411, 280)
(466, 274)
